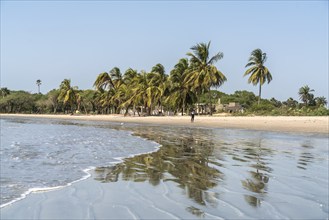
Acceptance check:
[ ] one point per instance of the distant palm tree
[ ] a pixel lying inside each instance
(204, 74)
(305, 94)
(38, 83)
(4, 92)
(291, 103)
(258, 72)
(321, 101)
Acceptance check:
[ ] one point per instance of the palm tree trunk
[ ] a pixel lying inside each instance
(183, 107)
(260, 92)
(210, 104)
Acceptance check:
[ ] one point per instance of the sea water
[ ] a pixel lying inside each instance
(204, 172)
(44, 154)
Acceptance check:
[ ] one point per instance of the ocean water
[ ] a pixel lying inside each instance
(189, 173)
(41, 154)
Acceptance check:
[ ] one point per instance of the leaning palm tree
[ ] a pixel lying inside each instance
(68, 94)
(258, 72)
(103, 81)
(38, 83)
(305, 94)
(203, 74)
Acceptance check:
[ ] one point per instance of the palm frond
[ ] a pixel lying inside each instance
(215, 58)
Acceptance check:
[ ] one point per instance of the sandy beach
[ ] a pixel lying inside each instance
(267, 123)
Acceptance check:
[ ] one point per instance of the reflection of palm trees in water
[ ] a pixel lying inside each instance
(306, 157)
(258, 182)
(183, 160)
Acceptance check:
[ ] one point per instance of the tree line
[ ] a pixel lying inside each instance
(192, 80)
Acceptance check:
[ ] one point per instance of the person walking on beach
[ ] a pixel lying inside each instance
(192, 115)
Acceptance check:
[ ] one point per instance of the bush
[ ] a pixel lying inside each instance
(264, 108)
(321, 111)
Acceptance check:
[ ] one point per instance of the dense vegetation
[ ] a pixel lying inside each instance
(89, 102)
(191, 81)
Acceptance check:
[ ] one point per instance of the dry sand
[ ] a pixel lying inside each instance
(312, 124)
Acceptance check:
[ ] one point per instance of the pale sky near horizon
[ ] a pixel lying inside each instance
(54, 40)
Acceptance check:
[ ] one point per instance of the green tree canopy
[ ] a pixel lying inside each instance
(259, 73)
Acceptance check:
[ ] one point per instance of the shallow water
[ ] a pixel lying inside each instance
(208, 173)
(44, 153)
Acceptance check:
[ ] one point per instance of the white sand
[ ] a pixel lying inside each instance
(312, 124)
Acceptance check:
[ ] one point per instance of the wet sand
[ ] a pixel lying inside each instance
(313, 124)
(90, 199)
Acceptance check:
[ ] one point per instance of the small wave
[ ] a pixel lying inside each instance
(88, 175)
(48, 189)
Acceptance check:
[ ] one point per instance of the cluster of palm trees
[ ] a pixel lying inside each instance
(144, 92)
(156, 90)
(306, 96)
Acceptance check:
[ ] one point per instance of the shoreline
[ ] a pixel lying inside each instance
(304, 124)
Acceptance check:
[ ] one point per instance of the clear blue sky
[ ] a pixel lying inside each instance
(54, 40)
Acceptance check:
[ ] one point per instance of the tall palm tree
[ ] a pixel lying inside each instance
(258, 72)
(38, 83)
(305, 94)
(203, 74)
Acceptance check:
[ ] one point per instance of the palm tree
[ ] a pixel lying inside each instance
(116, 77)
(105, 86)
(103, 81)
(158, 85)
(321, 101)
(68, 94)
(291, 103)
(180, 93)
(4, 92)
(203, 74)
(305, 94)
(38, 83)
(126, 90)
(139, 91)
(110, 83)
(129, 75)
(258, 72)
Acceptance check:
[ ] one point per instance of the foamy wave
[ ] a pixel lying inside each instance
(87, 171)
(48, 189)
